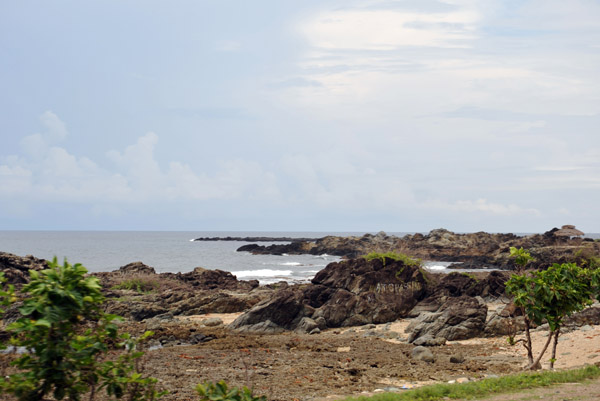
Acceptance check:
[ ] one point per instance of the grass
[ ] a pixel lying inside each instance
(138, 284)
(399, 257)
(488, 387)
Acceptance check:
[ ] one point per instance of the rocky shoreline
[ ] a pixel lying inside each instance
(359, 325)
(473, 250)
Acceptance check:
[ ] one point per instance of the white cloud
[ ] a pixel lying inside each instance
(14, 181)
(484, 206)
(56, 129)
(50, 173)
(389, 29)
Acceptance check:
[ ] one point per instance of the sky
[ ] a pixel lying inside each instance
(280, 115)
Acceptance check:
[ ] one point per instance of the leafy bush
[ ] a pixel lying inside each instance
(522, 257)
(550, 296)
(66, 335)
(219, 392)
(7, 294)
(398, 257)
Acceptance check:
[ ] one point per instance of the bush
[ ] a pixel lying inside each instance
(398, 257)
(66, 335)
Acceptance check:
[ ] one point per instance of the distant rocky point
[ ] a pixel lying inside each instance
(473, 250)
(256, 239)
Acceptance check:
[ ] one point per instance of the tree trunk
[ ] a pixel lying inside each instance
(536, 364)
(554, 344)
(528, 344)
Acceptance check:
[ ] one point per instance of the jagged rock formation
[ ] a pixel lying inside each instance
(459, 318)
(343, 294)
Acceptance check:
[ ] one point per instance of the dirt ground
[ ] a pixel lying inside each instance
(341, 362)
(328, 365)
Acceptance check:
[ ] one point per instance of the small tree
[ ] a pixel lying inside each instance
(66, 335)
(551, 295)
(522, 258)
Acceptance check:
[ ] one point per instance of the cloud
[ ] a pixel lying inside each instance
(56, 129)
(45, 173)
(484, 206)
(389, 29)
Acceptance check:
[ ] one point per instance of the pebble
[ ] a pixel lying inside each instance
(587, 327)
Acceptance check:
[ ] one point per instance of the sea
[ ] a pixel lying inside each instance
(175, 251)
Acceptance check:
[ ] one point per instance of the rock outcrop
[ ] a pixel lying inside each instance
(473, 250)
(347, 293)
(458, 318)
(136, 291)
(16, 268)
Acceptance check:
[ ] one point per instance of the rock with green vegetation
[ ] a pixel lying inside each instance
(349, 293)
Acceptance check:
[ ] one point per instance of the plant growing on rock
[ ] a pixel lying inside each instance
(66, 336)
(399, 257)
(522, 257)
(550, 296)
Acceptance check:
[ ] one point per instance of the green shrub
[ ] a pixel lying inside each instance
(7, 294)
(550, 296)
(67, 335)
(141, 284)
(398, 257)
(219, 392)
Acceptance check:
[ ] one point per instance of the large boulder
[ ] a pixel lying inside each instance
(207, 279)
(458, 318)
(347, 293)
(136, 268)
(283, 311)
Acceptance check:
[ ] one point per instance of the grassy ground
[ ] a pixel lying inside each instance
(488, 387)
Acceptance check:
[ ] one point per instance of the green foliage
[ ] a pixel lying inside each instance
(65, 333)
(521, 256)
(219, 392)
(551, 295)
(7, 294)
(486, 387)
(139, 284)
(398, 257)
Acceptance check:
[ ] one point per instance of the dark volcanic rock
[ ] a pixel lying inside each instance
(457, 319)
(16, 268)
(257, 239)
(206, 279)
(200, 291)
(343, 294)
(473, 250)
(136, 268)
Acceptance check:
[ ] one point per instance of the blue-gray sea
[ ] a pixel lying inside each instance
(173, 251)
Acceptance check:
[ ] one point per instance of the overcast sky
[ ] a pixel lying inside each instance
(349, 115)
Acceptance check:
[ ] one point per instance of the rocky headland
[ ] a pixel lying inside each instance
(473, 250)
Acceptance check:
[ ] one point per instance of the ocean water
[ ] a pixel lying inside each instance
(101, 251)
(171, 251)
